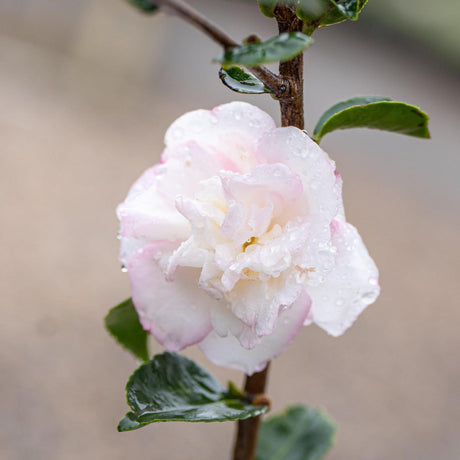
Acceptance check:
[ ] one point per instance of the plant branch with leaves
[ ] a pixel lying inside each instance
(249, 226)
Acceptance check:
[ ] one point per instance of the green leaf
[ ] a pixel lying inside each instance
(343, 10)
(279, 48)
(123, 323)
(375, 113)
(267, 7)
(300, 433)
(147, 6)
(312, 10)
(240, 81)
(172, 388)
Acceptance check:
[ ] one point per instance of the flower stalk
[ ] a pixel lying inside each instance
(246, 437)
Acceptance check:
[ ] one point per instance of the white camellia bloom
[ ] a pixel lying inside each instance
(238, 238)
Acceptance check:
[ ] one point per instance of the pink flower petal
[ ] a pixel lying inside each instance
(226, 350)
(176, 313)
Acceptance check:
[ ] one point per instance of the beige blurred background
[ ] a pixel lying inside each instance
(87, 91)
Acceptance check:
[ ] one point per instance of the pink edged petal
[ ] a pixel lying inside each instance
(295, 149)
(149, 217)
(176, 313)
(226, 350)
(349, 288)
(149, 211)
(231, 129)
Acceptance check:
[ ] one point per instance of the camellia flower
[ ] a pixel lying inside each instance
(238, 238)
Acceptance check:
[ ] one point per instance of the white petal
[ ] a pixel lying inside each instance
(176, 313)
(227, 351)
(349, 288)
(294, 148)
(231, 129)
(259, 303)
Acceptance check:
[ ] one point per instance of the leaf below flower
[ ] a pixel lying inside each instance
(299, 433)
(172, 388)
(123, 324)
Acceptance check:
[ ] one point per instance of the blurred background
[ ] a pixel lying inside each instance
(87, 91)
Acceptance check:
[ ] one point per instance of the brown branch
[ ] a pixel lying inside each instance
(188, 14)
(277, 85)
(292, 111)
(246, 438)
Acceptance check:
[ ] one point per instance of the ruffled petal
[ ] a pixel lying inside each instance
(231, 129)
(176, 313)
(295, 149)
(223, 348)
(349, 288)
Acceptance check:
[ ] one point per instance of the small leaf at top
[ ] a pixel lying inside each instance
(375, 113)
(342, 10)
(312, 10)
(279, 48)
(172, 388)
(300, 433)
(267, 7)
(240, 81)
(147, 6)
(123, 323)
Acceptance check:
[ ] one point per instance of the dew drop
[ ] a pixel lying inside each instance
(373, 281)
(124, 269)
(339, 302)
(368, 297)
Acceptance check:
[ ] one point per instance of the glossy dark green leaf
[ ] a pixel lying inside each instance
(375, 113)
(299, 433)
(172, 388)
(342, 10)
(279, 48)
(146, 6)
(267, 7)
(240, 81)
(123, 323)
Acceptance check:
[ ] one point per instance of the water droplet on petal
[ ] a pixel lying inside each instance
(368, 297)
(124, 269)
